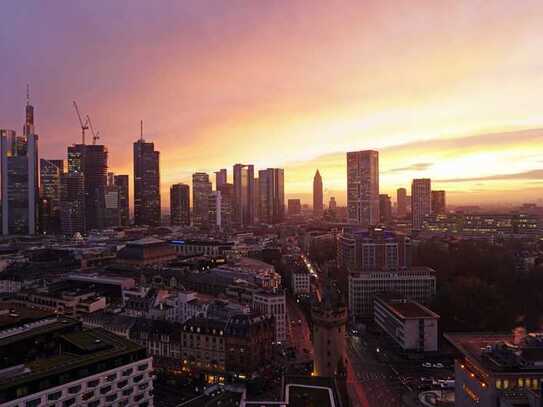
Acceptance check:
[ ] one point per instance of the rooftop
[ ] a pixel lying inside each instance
(407, 309)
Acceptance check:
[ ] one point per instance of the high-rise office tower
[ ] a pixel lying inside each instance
(272, 195)
(180, 204)
(91, 161)
(121, 182)
(218, 211)
(19, 175)
(421, 201)
(439, 206)
(146, 183)
(112, 214)
(318, 203)
(50, 173)
(244, 194)
(201, 188)
(72, 203)
(221, 178)
(227, 199)
(294, 207)
(363, 187)
(385, 208)
(332, 205)
(401, 202)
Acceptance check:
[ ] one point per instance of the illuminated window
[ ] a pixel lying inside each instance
(498, 383)
(520, 382)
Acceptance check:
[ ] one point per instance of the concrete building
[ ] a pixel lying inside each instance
(421, 201)
(121, 182)
(272, 195)
(146, 183)
(385, 209)
(273, 302)
(49, 360)
(180, 204)
(221, 178)
(201, 189)
(112, 210)
(417, 283)
(72, 204)
(300, 282)
(329, 322)
(401, 202)
(439, 205)
(244, 195)
(410, 324)
(498, 369)
(219, 214)
(146, 252)
(363, 188)
(294, 207)
(361, 250)
(51, 172)
(318, 201)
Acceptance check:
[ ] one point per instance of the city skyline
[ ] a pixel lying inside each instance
(456, 117)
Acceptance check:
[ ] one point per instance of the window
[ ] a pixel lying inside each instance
(105, 389)
(93, 383)
(94, 403)
(141, 368)
(128, 372)
(128, 391)
(69, 402)
(111, 377)
(22, 391)
(54, 396)
(87, 396)
(121, 384)
(33, 403)
(74, 389)
(111, 397)
(137, 378)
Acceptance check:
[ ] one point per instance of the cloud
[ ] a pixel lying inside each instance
(526, 175)
(412, 167)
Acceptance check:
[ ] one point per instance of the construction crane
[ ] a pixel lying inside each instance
(84, 126)
(95, 135)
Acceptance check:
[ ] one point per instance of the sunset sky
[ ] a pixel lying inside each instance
(450, 90)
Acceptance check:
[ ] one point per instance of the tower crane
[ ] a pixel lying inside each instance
(84, 126)
(95, 135)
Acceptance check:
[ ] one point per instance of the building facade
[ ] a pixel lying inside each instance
(421, 201)
(439, 205)
(201, 189)
(121, 182)
(272, 195)
(401, 202)
(146, 184)
(244, 195)
(318, 200)
(385, 209)
(51, 172)
(363, 188)
(180, 204)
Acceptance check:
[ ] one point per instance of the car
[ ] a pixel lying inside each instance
(438, 365)
(427, 364)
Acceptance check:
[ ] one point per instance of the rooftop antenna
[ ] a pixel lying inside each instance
(27, 94)
(141, 131)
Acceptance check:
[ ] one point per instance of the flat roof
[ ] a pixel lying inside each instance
(407, 309)
(12, 314)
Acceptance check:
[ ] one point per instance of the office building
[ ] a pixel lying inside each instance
(329, 320)
(410, 324)
(146, 183)
(496, 369)
(112, 214)
(439, 206)
(332, 205)
(421, 201)
(401, 202)
(19, 176)
(272, 195)
(72, 204)
(51, 361)
(385, 208)
(361, 250)
(273, 303)
(91, 162)
(227, 206)
(121, 182)
(50, 174)
(180, 204)
(318, 202)
(221, 178)
(244, 195)
(219, 212)
(294, 207)
(416, 283)
(201, 189)
(363, 188)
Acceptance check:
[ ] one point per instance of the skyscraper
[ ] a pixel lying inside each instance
(221, 178)
(180, 204)
(72, 203)
(421, 201)
(121, 182)
(439, 205)
(332, 205)
(50, 174)
(19, 174)
(201, 188)
(318, 205)
(294, 207)
(91, 162)
(363, 187)
(146, 183)
(218, 211)
(272, 195)
(112, 214)
(244, 194)
(401, 202)
(385, 208)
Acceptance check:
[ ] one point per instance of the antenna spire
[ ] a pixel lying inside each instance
(27, 94)
(141, 130)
